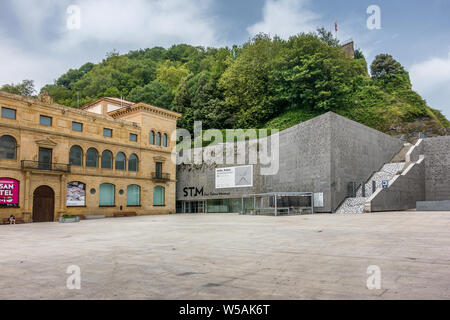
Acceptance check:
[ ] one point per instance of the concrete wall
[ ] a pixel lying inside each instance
(305, 160)
(437, 168)
(321, 155)
(304, 167)
(415, 152)
(356, 153)
(404, 190)
(433, 205)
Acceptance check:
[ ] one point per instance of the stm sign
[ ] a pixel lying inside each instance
(193, 192)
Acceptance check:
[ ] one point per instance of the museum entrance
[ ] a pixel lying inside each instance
(191, 207)
(43, 204)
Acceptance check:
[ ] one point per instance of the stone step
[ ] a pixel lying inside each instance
(352, 205)
(356, 205)
(386, 173)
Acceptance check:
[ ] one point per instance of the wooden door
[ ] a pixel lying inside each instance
(43, 204)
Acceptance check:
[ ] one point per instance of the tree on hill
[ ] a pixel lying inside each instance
(327, 37)
(25, 88)
(389, 70)
(266, 82)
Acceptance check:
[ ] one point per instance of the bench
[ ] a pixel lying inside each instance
(124, 214)
(18, 220)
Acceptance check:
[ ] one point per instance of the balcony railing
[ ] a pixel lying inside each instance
(160, 176)
(36, 165)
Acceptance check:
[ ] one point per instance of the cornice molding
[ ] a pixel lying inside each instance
(46, 143)
(146, 108)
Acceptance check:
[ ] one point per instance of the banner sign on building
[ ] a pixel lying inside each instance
(234, 177)
(9, 193)
(318, 200)
(76, 194)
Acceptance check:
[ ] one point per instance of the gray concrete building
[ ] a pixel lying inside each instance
(424, 183)
(321, 156)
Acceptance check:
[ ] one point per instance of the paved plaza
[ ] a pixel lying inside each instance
(230, 257)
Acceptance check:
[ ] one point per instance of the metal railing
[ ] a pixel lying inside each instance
(161, 176)
(36, 165)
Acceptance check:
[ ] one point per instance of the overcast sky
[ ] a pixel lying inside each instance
(37, 44)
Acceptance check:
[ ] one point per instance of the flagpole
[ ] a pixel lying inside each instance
(336, 28)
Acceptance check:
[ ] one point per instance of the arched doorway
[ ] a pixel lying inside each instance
(43, 204)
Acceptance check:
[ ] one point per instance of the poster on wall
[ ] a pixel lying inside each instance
(318, 200)
(9, 193)
(76, 194)
(234, 177)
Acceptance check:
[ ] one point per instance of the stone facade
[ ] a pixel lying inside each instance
(128, 122)
(437, 168)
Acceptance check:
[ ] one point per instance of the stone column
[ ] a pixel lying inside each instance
(62, 195)
(28, 197)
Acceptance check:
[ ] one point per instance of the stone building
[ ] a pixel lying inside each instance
(111, 156)
(320, 156)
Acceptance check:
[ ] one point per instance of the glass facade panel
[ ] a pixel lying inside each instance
(159, 196)
(159, 167)
(92, 158)
(120, 161)
(76, 126)
(107, 133)
(107, 159)
(8, 147)
(9, 113)
(45, 121)
(133, 163)
(152, 138)
(133, 195)
(76, 156)
(158, 139)
(106, 195)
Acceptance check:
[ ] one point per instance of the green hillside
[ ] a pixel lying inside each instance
(265, 83)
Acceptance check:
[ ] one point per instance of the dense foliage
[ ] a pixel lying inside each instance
(267, 82)
(25, 88)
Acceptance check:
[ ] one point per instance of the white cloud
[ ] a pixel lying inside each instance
(42, 48)
(431, 78)
(18, 64)
(143, 22)
(286, 18)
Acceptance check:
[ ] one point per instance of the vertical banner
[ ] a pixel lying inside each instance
(76, 194)
(9, 193)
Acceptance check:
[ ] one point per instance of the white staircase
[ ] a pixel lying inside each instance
(356, 205)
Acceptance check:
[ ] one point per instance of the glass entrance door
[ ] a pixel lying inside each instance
(45, 159)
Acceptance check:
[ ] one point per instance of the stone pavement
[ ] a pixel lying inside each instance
(230, 257)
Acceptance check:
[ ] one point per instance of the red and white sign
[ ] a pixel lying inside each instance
(9, 192)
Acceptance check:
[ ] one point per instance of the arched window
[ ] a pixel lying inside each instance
(159, 196)
(121, 161)
(8, 146)
(133, 163)
(107, 195)
(152, 137)
(158, 139)
(165, 140)
(133, 195)
(107, 159)
(76, 156)
(92, 158)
